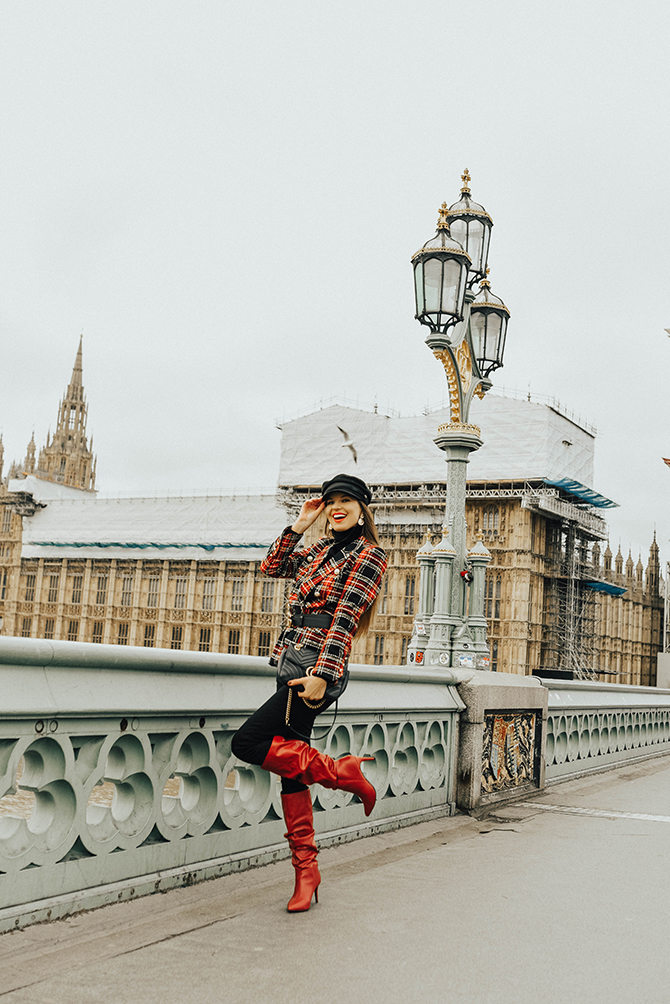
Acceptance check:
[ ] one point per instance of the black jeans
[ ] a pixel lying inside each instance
(252, 740)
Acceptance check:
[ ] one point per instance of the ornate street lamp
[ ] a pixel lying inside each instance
(468, 326)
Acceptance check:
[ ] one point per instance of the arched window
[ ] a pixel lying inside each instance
(409, 594)
(492, 591)
(491, 519)
(384, 596)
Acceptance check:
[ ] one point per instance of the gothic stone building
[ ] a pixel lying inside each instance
(184, 573)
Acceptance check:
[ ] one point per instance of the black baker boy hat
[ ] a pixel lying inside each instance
(349, 485)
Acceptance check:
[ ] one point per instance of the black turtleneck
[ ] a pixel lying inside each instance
(342, 538)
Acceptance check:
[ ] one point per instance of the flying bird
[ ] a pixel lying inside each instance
(347, 444)
(668, 330)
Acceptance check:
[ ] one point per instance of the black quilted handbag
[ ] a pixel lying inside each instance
(294, 663)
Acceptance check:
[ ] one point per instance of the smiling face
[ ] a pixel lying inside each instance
(342, 511)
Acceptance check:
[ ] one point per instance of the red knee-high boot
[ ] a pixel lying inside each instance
(300, 835)
(295, 759)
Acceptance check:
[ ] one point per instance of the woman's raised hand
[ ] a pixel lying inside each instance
(312, 688)
(310, 512)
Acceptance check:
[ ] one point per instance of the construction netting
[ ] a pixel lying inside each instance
(221, 527)
(522, 440)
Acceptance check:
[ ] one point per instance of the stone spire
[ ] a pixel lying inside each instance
(76, 379)
(630, 567)
(618, 562)
(653, 575)
(66, 457)
(29, 462)
(607, 560)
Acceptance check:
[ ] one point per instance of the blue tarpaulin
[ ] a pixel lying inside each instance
(605, 587)
(580, 491)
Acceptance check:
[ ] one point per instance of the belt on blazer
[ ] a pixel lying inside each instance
(299, 619)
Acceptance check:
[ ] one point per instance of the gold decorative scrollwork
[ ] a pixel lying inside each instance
(460, 427)
(471, 211)
(447, 361)
(464, 360)
(479, 391)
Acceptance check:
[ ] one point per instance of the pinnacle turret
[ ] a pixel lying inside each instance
(607, 560)
(66, 457)
(630, 567)
(653, 571)
(618, 561)
(29, 462)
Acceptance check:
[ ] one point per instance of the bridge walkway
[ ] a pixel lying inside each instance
(561, 898)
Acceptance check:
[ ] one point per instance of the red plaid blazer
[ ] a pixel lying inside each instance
(344, 586)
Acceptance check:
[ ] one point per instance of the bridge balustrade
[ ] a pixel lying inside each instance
(595, 725)
(117, 779)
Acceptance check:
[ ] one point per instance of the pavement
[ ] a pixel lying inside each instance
(560, 898)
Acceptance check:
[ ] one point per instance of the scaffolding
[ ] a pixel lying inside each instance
(572, 606)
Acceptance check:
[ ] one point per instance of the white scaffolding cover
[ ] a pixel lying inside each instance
(43, 490)
(224, 528)
(522, 440)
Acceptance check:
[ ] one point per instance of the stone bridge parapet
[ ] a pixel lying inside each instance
(117, 779)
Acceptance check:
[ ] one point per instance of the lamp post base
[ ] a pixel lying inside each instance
(457, 627)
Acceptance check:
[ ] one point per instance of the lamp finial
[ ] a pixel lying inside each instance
(466, 179)
(443, 222)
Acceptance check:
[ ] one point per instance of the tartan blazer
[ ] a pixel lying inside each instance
(344, 586)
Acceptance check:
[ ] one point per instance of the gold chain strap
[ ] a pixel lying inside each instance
(310, 704)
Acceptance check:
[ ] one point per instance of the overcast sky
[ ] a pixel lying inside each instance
(225, 197)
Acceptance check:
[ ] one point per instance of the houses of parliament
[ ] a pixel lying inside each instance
(184, 573)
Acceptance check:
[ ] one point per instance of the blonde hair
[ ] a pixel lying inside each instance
(372, 536)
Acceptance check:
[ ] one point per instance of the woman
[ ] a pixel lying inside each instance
(337, 581)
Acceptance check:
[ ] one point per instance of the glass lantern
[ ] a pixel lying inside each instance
(471, 227)
(440, 278)
(488, 328)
